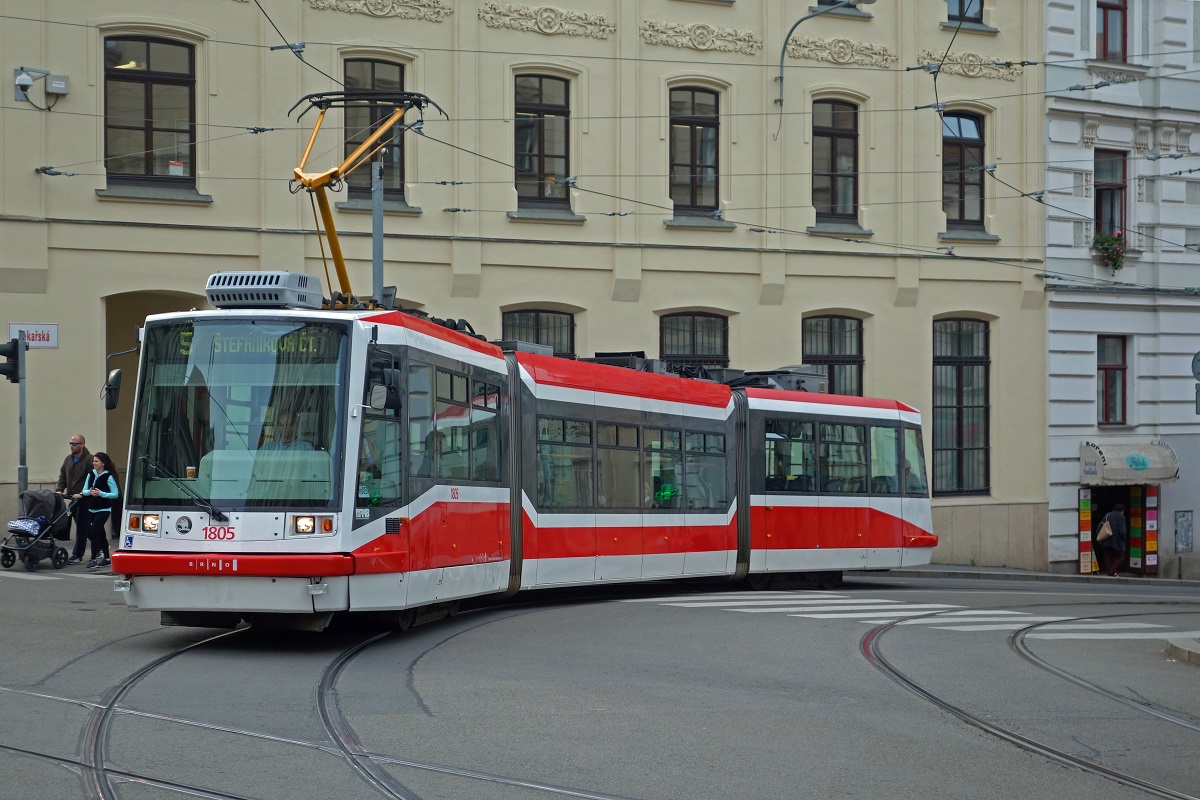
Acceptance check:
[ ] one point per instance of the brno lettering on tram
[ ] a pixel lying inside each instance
(288, 462)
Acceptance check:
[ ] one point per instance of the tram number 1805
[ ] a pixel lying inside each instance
(223, 532)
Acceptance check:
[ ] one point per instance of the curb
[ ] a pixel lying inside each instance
(1185, 650)
(984, 573)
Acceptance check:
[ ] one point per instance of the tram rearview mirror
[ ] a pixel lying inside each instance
(112, 389)
(388, 393)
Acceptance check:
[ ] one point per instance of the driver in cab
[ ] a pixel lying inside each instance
(285, 435)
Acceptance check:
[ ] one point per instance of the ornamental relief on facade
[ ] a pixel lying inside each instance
(1112, 76)
(700, 37)
(546, 19)
(971, 65)
(841, 51)
(429, 10)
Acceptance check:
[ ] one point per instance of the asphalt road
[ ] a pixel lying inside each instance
(895, 687)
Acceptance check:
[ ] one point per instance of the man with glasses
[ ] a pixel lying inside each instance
(74, 471)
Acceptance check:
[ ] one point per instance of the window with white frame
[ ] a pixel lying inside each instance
(1111, 372)
(1112, 29)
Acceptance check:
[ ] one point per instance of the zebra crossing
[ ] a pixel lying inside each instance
(821, 605)
(23, 575)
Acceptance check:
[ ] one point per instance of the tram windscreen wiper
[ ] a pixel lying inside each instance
(207, 505)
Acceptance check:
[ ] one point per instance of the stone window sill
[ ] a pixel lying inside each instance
(850, 12)
(840, 229)
(390, 206)
(698, 222)
(971, 27)
(156, 194)
(967, 235)
(558, 215)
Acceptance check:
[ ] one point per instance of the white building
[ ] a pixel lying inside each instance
(1122, 403)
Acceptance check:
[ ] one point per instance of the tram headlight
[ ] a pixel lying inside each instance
(150, 522)
(305, 525)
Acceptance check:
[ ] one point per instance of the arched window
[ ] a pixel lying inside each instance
(542, 154)
(695, 338)
(835, 161)
(553, 328)
(835, 344)
(695, 161)
(962, 169)
(961, 407)
(149, 111)
(362, 120)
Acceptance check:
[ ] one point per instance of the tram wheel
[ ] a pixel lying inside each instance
(7, 558)
(829, 580)
(760, 581)
(405, 619)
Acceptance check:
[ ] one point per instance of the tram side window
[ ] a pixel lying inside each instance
(618, 466)
(564, 463)
(662, 468)
(705, 478)
(485, 431)
(791, 452)
(452, 426)
(421, 435)
(379, 462)
(885, 455)
(915, 484)
(843, 458)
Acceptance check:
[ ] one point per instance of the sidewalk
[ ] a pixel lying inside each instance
(1186, 649)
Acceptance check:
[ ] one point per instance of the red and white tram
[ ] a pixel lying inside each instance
(289, 462)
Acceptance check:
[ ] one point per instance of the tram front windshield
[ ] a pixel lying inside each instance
(239, 414)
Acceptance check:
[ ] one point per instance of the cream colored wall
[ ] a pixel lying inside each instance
(64, 261)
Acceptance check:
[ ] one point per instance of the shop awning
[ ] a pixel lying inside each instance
(1126, 463)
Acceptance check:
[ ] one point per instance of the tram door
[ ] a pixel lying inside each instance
(885, 536)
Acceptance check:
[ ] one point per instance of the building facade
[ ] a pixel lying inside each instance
(634, 175)
(1122, 329)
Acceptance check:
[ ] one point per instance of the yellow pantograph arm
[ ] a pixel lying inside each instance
(316, 182)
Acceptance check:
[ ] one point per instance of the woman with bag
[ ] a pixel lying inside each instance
(1112, 541)
(100, 490)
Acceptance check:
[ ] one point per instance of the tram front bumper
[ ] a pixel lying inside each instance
(246, 583)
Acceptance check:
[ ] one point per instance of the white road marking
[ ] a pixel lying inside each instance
(28, 576)
(1100, 635)
(731, 596)
(973, 618)
(773, 602)
(877, 611)
(909, 611)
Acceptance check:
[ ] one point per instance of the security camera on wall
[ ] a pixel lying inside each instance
(24, 81)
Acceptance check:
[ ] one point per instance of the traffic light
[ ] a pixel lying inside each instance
(13, 352)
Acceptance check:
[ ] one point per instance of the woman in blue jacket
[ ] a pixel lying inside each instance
(100, 490)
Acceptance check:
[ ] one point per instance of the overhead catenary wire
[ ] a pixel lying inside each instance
(761, 228)
(390, 43)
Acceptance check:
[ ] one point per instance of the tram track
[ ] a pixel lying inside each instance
(871, 650)
(101, 781)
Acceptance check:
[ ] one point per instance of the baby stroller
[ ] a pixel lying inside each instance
(44, 519)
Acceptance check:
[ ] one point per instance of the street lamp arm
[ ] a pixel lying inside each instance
(796, 24)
